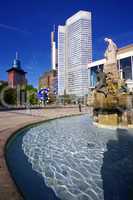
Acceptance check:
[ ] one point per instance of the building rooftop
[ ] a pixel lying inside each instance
(16, 66)
(126, 48)
(79, 15)
(19, 70)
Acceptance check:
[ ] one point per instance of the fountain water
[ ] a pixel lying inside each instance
(69, 154)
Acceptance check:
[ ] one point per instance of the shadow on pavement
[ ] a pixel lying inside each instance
(117, 169)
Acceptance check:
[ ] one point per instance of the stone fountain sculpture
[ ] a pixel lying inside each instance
(111, 58)
(112, 103)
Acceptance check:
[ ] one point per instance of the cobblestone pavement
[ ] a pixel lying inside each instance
(11, 121)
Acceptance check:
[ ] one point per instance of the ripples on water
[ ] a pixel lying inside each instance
(68, 153)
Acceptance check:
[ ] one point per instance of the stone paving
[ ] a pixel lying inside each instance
(11, 121)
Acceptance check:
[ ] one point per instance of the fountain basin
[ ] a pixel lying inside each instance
(72, 159)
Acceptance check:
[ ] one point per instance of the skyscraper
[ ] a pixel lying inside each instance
(61, 60)
(53, 50)
(74, 53)
(53, 74)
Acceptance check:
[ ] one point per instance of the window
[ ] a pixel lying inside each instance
(93, 76)
(126, 66)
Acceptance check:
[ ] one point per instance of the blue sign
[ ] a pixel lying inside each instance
(43, 94)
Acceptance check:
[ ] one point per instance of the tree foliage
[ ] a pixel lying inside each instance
(31, 94)
(8, 95)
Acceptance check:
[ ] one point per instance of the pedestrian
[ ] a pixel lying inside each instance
(79, 106)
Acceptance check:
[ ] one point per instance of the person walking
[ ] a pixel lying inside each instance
(79, 106)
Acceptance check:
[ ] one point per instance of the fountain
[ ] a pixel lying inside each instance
(72, 159)
(79, 161)
(112, 101)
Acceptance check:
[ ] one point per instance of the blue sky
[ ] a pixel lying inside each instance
(25, 27)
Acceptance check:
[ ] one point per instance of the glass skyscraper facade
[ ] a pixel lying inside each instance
(78, 53)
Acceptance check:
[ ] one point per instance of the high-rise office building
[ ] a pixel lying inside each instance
(54, 57)
(74, 54)
(61, 59)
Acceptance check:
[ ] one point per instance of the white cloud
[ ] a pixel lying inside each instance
(12, 28)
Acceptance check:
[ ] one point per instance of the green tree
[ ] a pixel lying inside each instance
(31, 94)
(9, 95)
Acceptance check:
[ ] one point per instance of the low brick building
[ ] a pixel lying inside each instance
(16, 75)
